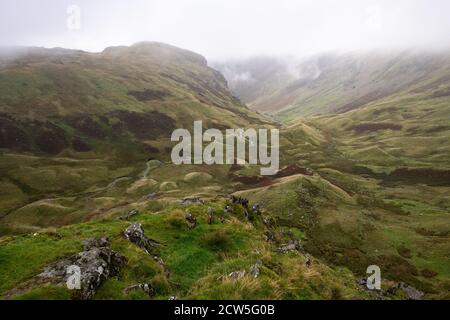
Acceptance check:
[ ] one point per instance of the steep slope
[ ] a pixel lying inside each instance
(77, 96)
(75, 125)
(333, 83)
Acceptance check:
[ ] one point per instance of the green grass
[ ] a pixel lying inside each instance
(199, 260)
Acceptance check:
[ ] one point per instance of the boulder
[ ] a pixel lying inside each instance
(293, 245)
(96, 242)
(236, 275)
(191, 220)
(412, 293)
(255, 270)
(362, 282)
(96, 263)
(191, 200)
(136, 235)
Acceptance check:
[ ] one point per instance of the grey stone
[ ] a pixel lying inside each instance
(293, 245)
(235, 275)
(191, 220)
(255, 270)
(191, 200)
(412, 293)
(135, 233)
(97, 263)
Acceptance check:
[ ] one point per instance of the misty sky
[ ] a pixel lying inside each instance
(222, 29)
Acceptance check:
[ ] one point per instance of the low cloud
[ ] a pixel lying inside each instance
(224, 29)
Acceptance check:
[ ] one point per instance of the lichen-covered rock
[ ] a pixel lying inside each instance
(410, 292)
(96, 264)
(191, 220)
(136, 235)
(293, 245)
(255, 270)
(191, 200)
(236, 275)
(96, 242)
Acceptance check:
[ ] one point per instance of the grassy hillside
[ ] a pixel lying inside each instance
(199, 261)
(75, 125)
(383, 196)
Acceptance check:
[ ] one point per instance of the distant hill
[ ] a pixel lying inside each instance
(56, 99)
(334, 83)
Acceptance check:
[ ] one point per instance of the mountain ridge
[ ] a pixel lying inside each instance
(332, 83)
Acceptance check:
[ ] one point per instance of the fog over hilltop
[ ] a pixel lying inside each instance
(228, 29)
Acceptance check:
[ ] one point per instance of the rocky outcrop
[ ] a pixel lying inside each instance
(293, 245)
(236, 275)
(136, 235)
(408, 291)
(400, 289)
(191, 200)
(242, 201)
(255, 270)
(96, 264)
(191, 220)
